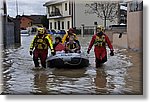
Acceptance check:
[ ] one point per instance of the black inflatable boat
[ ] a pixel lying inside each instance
(69, 60)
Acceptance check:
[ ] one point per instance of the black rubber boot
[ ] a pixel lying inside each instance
(44, 65)
(104, 59)
(36, 62)
(98, 63)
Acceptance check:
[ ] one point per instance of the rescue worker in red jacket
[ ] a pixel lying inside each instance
(39, 47)
(99, 40)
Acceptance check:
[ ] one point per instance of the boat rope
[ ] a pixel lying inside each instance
(73, 64)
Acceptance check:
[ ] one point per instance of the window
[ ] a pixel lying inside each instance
(65, 6)
(55, 25)
(69, 8)
(62, 24)
(68, 23)
(58, 25)
(51, 25)
(136, 6)
(48, 9)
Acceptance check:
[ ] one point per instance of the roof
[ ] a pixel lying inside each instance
(25, 17)
(54, 2)
(37, 18)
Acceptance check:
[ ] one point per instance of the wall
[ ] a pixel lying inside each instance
(120, 42)
(135, 29)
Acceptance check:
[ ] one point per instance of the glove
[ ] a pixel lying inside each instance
(53, 52)
(30, 52)
(111, 53)
(88, 51)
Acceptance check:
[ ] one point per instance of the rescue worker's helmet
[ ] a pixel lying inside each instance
(71, 30)
(41, 30)
(101, 28)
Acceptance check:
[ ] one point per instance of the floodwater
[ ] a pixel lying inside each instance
(120, 75)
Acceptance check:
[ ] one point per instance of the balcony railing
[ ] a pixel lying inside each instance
(55, 14)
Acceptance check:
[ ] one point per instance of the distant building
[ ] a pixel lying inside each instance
(64, 14)
(38, 20)
(32, 20)
(123, 13)
(25, 22)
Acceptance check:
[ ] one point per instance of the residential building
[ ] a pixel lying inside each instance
(135, 24)
(25, 22)
(28, 21)
(63, 14)
(38, 20)
(133, 38)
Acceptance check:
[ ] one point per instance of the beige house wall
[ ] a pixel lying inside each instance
(120, 42)
(135, 29)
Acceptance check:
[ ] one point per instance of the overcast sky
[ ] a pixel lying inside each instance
(28, 7)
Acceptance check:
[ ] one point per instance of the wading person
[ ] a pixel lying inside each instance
(99, 40)
(39, 47)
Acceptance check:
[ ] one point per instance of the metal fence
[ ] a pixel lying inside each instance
(85, 30)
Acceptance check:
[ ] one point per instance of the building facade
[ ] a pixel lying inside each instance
(59, 14)
(25, 22)
(64, 14)
(135, 24)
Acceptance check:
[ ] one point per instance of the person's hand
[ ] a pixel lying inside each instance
(30, 52)
(111, 53)
(88, 51)
(53, 52)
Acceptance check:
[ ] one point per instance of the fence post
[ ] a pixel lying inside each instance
(82, 30)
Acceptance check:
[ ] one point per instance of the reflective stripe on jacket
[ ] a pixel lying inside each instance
(106, 41)
(41, 42)
(100, 41)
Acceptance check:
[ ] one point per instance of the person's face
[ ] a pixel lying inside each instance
(70, 31)
(98, 30)
(57, 41)
(71, 39)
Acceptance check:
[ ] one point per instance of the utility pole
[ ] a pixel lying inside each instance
(4, 22)
(17, 7)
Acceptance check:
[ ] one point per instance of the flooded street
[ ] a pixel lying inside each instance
(121, 74)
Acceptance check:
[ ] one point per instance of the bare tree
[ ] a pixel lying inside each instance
(106, 10)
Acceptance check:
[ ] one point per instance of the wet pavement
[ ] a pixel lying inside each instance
(121, 74)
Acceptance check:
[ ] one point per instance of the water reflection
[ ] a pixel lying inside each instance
(101, 81)
(70, 73)
(40, 82)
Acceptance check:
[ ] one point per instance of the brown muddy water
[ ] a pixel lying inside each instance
(120, 75)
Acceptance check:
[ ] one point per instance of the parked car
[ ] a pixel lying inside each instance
(52, 32)
(63, 32)
(24, 33)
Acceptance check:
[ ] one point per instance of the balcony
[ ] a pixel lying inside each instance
(55, 13)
